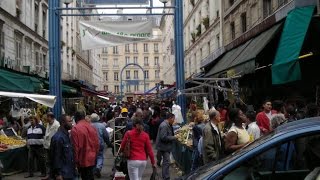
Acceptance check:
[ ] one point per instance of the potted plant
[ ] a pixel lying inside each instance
(193, 36)
(192, 2)
(206, 22)
(199, 30)
(73, 52)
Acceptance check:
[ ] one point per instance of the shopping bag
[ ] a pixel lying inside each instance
(154, 176)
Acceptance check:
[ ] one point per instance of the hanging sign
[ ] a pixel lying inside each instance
(116, 2)
(99, 34)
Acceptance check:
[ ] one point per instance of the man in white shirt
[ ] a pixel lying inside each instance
(52, 127)
(252, 129)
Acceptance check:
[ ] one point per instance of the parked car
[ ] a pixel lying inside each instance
(282, 154)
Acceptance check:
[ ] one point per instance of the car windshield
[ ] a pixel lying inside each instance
(214, 166)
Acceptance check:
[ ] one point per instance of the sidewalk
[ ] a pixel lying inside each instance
(107, 170)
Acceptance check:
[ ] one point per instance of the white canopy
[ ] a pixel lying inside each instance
(103, 97)
(46, 100)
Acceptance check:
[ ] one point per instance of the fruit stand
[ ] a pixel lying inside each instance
(182, 150)
(13, 154)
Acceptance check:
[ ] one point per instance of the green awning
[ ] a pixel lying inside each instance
(65, 88)
(15, 82)
(242, 58)
(286, 67)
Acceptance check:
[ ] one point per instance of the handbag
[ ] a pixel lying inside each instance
(154, 176)
(126, 149)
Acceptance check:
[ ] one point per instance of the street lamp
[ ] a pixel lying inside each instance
(67, 2)
(164, 2)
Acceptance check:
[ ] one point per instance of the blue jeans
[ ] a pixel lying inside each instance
(100, 159)
(196, 160)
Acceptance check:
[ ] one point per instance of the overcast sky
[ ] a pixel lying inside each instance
(156, 3)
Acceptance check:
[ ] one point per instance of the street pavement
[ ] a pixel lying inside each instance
(107, 170)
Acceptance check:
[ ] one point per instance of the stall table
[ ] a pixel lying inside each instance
(14, 160)
(182, 154)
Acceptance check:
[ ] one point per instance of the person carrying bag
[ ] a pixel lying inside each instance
(136, 148)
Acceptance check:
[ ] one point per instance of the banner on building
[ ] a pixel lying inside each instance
(99, 34)
(116, 2)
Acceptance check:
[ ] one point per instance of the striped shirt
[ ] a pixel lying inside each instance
(35, 135)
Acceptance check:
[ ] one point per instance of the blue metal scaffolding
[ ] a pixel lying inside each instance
(55, 12)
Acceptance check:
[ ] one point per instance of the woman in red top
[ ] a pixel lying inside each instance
(140, 150)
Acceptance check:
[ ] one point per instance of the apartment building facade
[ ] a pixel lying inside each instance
(167, 29)
(24, 36)
(202, 32)
(147, 54)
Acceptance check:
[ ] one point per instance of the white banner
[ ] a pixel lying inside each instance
(99, 34)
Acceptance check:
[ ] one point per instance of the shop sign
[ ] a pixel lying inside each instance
(7, 63)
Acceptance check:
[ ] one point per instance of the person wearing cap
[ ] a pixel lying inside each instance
(124, 112)
(52, 127)
(103, 139)
(140, 149)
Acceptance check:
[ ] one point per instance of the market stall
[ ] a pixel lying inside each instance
(13, 150)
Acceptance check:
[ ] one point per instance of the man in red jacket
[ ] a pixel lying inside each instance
(85, 142)
(263, 118)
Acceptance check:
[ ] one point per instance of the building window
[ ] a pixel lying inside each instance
(218, 40)
(116, 89)
(147, 86)
(105, 87)
(232, 30)
(244, 22)
(156, 47)
(146, 74)
(18, 47)
(135, 47)
(231, 2)
(145, 47)
(105, 74)
(127, 60)
(209, 47)
(156, 61)
(128, 87)
(136, 74)
(1, 43)
(146, 61)
(157, 74)
(128, 74)
(136, 87)
(135, 60)
(115, 62)
(267, 8)
(116, 76)
(105, 50)
(127, 48)
(115, 50)
(282, 3)
(105, 61)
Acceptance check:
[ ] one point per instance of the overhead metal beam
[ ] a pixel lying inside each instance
(193, 88)
(216, 79)
(215, 87)
(193, 94)
(104, 14)
(94, 8)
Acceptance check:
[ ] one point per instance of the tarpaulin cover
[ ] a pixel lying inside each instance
(286, 66)
(15, 82)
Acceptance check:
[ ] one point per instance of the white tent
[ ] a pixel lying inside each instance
(46, 100)
(103, 97)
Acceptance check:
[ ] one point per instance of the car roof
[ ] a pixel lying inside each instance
(285, 129)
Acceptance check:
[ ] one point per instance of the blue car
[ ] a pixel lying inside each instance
(292, 151)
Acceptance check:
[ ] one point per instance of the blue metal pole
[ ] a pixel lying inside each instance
(54, 56)
(179, 56)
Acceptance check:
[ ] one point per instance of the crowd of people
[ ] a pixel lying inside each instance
(229, 129)
(74, 146)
